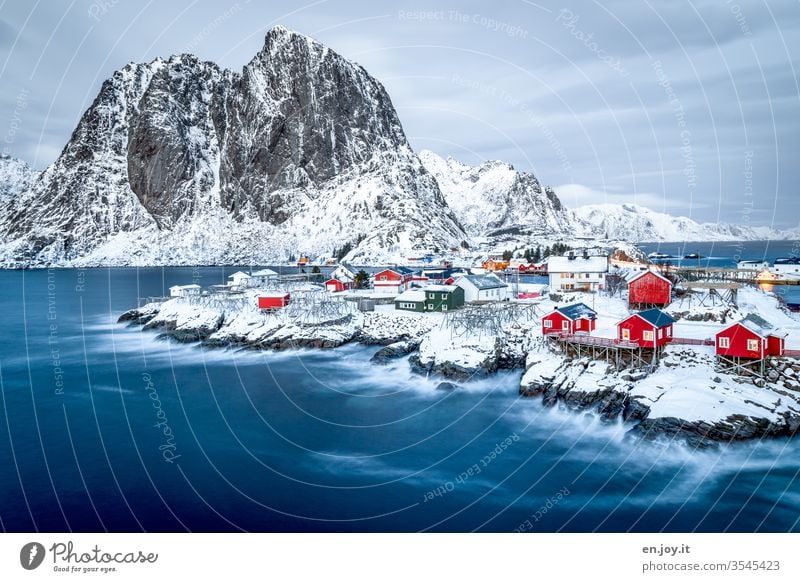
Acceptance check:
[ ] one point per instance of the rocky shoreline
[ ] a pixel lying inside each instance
(658, 403)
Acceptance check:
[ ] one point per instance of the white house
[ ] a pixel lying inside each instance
(261, 277)
(787, 266)
(242, 280)
(344, 272)
(239, 279)
(482, 288)
(184, 290)
(577, 272)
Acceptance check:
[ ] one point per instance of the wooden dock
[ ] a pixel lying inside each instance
(722, 275)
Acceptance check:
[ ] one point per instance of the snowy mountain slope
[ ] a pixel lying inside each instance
(15, 176)
(494, 198)
(634, 223)
(179, 161)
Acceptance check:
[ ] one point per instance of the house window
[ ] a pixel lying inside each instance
(382, 278)
(431, 296)
(444, 307)
(430, 306)
(752, 345)
(669, 332)
(660, 333)
(724, 342)
(548, 323)
(647, 336)
(565, 325)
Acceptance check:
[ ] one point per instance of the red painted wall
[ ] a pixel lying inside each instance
(637, 326)
(738, 336)
(649, 288)
(557, 319)
(275, 302)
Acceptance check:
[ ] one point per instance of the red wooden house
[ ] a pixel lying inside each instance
(570, 319)
(651, 328)
(751, 338)
(272, 301)
(394, 280)
(336, 285)
(649, 289)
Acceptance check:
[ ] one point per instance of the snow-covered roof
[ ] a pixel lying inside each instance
(273, 294)
(239, 274)
(264, 273)
(411, 295)
(577, 311)
(655, 317)
(761, 326)
(577, 265)
(482, 282)
(185, 287)
(442, 288)
(636, 275)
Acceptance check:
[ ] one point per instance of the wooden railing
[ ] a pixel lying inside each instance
(686, 341)
(590, 340)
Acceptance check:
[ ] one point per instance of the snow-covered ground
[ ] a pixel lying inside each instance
(683, 393)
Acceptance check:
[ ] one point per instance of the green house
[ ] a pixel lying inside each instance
(411, 300)
(431, 298)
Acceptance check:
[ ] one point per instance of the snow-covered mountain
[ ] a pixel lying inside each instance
(634, 223)
(15, 176)
(179, 161)
(494, 199)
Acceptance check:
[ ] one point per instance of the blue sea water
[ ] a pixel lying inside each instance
(319, 440)
(726, 254)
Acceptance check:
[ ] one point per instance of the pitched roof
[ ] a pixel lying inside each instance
(441, 288)
(761, 326)
(577, 265)
(483, 282)
(264, 273)
(577, 311)
(655, 317)
(640, 274)
(192, 286)
(411, 295)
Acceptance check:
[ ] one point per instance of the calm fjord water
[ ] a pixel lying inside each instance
(318, 440)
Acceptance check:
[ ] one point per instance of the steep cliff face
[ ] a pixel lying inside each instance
(180, 161)
(494, 199)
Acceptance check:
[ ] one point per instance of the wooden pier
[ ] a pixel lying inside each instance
(721, 274)
(622, 354)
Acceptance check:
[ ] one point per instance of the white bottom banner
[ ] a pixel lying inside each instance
(403, 557)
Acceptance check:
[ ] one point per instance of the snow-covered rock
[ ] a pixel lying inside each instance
(15, 177)
(179, 161)
(634, 223)
(494, 199)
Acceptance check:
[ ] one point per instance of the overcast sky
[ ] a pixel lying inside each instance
(687, 107)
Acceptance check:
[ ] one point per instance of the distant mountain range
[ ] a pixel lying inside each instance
(180, 161)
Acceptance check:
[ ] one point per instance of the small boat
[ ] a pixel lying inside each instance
(658, 256)
(692, 256)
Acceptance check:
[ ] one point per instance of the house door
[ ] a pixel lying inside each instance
(626, 334)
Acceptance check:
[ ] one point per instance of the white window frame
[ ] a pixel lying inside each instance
(648, 335)
(444, 306)
(724, 342)
(565, 325)
(430, 306)
(752, 345)
(548, 323)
